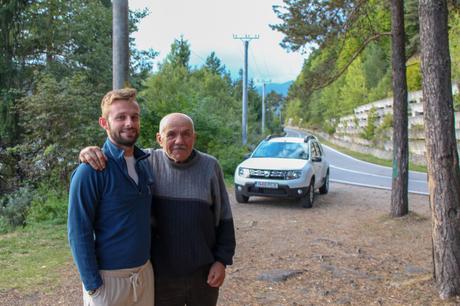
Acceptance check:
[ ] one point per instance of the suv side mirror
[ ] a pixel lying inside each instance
(247, 155)
(316, 159)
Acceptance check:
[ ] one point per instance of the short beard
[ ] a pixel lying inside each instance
(122, 141)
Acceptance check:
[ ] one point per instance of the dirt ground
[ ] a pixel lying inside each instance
(343, 251)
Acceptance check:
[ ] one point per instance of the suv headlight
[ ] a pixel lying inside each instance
(244, 172)
(293, 174)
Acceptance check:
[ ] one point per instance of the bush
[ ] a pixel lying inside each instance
(456, 102)
(28, 205)
(368, 132)
(13, 211)
(51, 208)
(329, 127)
(229, 156)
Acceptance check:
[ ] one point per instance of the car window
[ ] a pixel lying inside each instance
(282, 150)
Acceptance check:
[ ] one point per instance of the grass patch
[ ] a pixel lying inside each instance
(32, 256)
(370, 158)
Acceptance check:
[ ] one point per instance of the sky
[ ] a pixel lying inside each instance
(209, 25)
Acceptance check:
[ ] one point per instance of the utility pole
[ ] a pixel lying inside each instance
(120, 44)
(263, 108)
(245, 39)
(264, 82)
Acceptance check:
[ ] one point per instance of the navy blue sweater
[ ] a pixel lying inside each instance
(109, 215)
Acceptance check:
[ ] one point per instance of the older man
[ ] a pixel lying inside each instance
(193, 235)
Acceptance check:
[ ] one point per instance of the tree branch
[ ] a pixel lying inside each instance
(350, 61)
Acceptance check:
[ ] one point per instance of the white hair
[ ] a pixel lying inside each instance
(165, 119)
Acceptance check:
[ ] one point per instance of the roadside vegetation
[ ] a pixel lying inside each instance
(368, 78)
(370, 158)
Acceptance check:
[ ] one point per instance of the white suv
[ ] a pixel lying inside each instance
(289, 167)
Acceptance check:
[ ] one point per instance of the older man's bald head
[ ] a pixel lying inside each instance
(175, 117)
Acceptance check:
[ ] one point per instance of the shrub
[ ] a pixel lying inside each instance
(51, 207)
(13, 211)
(368, 132)
(229, 156)
(329, 127)
(456, 102)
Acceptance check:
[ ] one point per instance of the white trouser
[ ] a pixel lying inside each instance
(123, 287)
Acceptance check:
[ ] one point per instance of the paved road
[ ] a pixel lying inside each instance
(349, 170)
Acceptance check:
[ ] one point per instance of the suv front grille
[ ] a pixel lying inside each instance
(267, 174)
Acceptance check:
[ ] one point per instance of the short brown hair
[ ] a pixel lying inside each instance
(128, 94)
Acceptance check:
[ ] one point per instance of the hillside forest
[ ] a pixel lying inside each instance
(353, 68)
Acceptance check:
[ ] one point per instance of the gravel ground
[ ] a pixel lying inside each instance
(343, 251)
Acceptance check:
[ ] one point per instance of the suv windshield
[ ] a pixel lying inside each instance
(282, 150)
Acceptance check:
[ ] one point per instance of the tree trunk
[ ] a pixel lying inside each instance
(442, 155)
(399, 200)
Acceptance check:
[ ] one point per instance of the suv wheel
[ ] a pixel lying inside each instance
(240, 198)
(325, 187)
(307, 200)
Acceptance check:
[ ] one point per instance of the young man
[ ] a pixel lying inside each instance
(109, 212)
(193, 234)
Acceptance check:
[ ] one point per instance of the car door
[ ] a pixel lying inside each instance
(317, 163)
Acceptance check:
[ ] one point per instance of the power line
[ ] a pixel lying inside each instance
(255, 63)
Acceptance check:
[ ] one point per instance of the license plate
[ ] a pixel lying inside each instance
(266, 185)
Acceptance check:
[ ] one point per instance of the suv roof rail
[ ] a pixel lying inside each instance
(308, 137)
(274, 135)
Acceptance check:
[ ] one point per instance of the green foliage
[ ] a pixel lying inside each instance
(387, 121)
(383, 89)
(9, 129)
(28, 205)
(381, 132)
(412, 27)
(293, 111)
(329, 127)
(229, 156)
(354, 91)
(49, 205)
(210, 98)
(414, 75)
(214, 65)
(312, 21)
(369, 130)
(273, 107)
(57, 120)
(456, 102)
(180, 53)
(454, 44)
(376, 63)
(13, 208)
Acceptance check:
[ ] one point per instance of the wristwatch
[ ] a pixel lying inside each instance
(92, 292)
